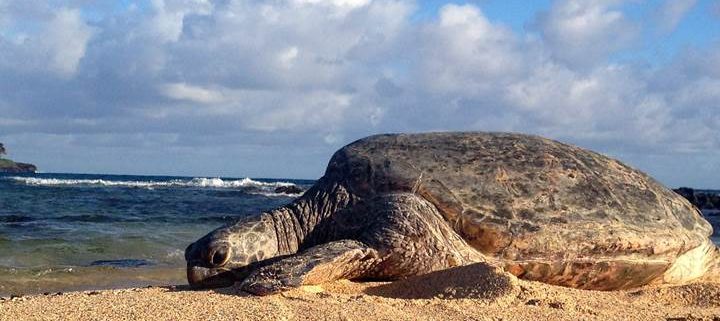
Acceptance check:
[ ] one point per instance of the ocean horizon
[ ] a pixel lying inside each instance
(64, 232)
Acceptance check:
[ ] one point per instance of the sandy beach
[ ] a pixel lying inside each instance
(446, 295)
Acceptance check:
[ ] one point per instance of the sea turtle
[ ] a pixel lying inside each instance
(393, 206)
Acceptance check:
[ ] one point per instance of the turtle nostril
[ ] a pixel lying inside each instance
(220, 256)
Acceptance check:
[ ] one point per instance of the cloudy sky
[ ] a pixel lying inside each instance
(272, 88)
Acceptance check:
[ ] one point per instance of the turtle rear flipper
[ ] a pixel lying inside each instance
(701, 263)
(344, 259)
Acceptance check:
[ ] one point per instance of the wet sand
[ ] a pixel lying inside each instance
(447, 295)
(16, 281)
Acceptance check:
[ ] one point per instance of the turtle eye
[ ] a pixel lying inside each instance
(220, 256)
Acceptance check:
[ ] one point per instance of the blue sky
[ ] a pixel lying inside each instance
(273, 88)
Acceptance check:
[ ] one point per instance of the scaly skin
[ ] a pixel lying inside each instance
(256, 240)
(391, 206)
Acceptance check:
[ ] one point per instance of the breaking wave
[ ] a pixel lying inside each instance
(251, 185)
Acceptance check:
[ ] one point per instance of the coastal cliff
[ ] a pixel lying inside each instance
(9, 166)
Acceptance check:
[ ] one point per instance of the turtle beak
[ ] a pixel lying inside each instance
(206, 265)
(203, 278)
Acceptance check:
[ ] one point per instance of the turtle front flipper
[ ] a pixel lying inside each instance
(344, 259)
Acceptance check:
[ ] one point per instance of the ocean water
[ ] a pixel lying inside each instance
(713, 216)
(61, 232)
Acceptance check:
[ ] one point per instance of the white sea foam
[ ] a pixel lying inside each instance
(175, 254)
(245, 182)
(264, 188)
(97, 182)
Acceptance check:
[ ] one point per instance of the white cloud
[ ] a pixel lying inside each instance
(169, 16)
(490, 78)
(581, 33)
(66, 37)
(287, 57)
(309, 76)
(338, 3)
(339, 8)
(671, 13)
(182, 91)
(292, 111)
(37, 39)
(466, 54)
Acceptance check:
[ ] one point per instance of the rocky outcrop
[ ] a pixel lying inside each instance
(703, 200)
(18, 168)
(8, 166)
(290, 189)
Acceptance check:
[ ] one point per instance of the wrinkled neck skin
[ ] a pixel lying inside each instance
(298, 225)
(230, 253)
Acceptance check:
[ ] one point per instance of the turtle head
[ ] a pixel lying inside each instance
(228, 254)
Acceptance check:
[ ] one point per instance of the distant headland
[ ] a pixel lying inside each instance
(9, 166)
(703, 199)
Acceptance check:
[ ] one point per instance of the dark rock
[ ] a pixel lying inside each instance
(290, 189)
(123, 263)
(9, 166)
(703, 200)
(17, 168)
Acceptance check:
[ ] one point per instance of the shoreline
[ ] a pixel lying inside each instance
(347, 300)
(31, 282)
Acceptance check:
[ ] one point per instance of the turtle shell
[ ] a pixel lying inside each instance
(521, 198)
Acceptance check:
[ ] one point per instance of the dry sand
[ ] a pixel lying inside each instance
(467, 293)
